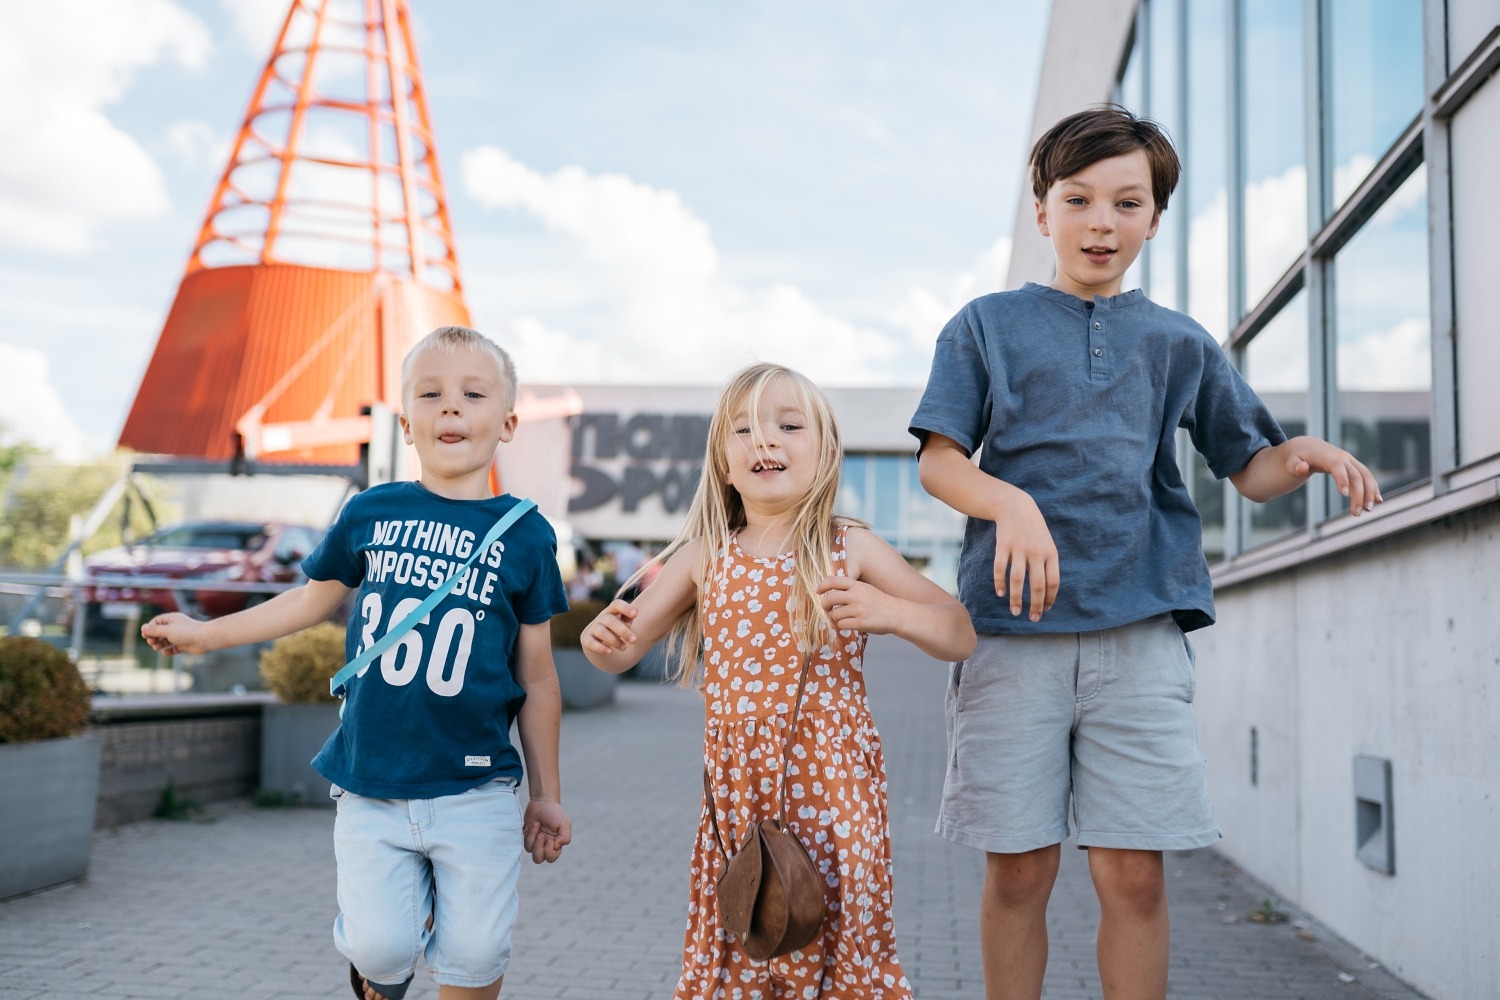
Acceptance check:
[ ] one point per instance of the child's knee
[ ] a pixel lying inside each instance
(1021, 879)
(1131, 878)
(471, 960)
(382, 953)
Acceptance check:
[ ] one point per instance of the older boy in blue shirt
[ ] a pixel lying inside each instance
(1077, 515)
(429, 835)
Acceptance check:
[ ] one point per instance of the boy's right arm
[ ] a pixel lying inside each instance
(1023, 545)
(287, 612)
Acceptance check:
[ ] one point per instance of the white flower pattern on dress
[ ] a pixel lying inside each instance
(836, 792)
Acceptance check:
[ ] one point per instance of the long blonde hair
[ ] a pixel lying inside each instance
(717, 512)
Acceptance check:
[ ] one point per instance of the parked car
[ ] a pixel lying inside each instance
(199, 551)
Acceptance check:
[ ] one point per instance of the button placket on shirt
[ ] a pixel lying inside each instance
(1098, 319)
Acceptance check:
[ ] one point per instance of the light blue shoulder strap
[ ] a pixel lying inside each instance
(386, 641)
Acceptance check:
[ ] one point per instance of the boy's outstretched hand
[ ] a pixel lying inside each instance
(1280, 469)
(546, 830)
(174, 633)
(1306, 455)
(610, 630)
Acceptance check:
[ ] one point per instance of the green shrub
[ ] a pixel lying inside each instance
(567, 628)
(42, 695)
(297, 667)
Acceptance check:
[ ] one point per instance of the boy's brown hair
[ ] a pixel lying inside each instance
(1099, 133)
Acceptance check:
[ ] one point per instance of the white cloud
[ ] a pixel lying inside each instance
(675, 317)
(258, 22)
(80, 170)
(32, 410)
(1394, 359)
(198, 144)
(923, 312)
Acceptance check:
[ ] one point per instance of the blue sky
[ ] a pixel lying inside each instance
(815, 183)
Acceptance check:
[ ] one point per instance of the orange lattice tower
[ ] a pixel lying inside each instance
(325, 253)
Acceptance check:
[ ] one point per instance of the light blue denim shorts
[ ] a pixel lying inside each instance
(1102, 721)
(455, 857)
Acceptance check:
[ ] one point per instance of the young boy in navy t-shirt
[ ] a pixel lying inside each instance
(429, 834)
(1072, 394)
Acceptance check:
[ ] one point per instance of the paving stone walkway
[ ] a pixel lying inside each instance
(239, 904)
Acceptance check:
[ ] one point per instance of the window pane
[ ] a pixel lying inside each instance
(1276, 367)
(1384, 360)
(1163, 253)
(1131, 93)
(852, 489)
(885, 517)
(1203, 194)
(1273, 157)
(1375, 80)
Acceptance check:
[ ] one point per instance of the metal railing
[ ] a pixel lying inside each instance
(75, 591)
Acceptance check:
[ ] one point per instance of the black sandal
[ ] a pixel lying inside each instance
(359, 982)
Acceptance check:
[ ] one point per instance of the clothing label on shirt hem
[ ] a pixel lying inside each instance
(473, 761)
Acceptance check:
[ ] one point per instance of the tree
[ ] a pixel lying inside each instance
(39, 495)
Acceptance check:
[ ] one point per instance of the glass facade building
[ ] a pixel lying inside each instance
(1299, 234)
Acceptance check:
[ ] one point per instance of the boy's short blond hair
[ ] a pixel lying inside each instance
(453, 338)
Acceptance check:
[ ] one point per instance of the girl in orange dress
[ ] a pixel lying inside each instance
(764, 575)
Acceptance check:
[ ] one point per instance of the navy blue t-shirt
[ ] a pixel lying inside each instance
(1078, 404)
(432, 715)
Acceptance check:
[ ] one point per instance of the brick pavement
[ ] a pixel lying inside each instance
(239, 905)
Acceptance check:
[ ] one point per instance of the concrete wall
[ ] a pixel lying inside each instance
(1390, 651)
(206, 749)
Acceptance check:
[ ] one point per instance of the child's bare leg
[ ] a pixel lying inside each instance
(489, 992)
(1134, 933)
(1013, 922)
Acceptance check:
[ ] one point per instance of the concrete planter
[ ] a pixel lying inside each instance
(49, 790)
(583, 685)
(290, 737)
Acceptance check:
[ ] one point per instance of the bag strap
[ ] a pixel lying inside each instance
(337, 682)
(791, 733)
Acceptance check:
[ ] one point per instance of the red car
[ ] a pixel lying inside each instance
(199, 551)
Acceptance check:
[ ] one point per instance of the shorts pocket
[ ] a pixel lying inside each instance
(1190, 665)
(956, 685)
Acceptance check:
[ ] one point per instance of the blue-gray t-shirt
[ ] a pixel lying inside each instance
(432, 715)
(1078, 404)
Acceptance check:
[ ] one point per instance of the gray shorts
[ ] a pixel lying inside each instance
(1102, 718)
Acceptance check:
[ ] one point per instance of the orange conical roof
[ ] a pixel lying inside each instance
(325, 253)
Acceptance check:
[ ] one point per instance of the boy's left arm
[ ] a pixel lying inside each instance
(547, 829)
(884, 595)
(1279, 469)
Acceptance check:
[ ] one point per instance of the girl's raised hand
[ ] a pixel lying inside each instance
(854, 605)
(610, 630)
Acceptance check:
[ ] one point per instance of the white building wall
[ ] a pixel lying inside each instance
(1392, 651)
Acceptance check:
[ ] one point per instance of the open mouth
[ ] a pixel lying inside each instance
(1098, 253)
(767, 466)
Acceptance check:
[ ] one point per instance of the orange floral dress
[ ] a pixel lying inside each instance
(836, 792)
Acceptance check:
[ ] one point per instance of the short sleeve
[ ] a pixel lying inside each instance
(956, 401)
(544, 595)
(1227, 421)
(337, 557)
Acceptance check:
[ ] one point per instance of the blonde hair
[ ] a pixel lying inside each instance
(717, 512)
(448, 339)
